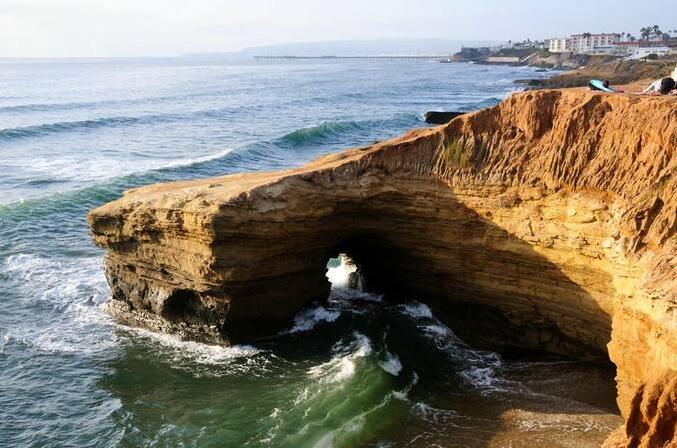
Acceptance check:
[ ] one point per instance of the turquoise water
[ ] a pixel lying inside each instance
(356, 371)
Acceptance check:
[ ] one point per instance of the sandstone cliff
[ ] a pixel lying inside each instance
(547, 222)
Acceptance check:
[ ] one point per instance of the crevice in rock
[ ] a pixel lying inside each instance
(182, 305)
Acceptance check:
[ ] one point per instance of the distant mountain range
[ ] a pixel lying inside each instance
(372, 47)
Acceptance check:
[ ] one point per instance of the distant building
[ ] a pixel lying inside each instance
(642, 48)
(607, 50)
(559, 45)
(523, 45)
(586, 42)
(643, 52)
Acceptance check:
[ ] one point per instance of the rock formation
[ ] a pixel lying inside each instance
(435, 117)
(610, 68)
(547, 223)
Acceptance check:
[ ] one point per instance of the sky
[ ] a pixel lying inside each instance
(108, 28)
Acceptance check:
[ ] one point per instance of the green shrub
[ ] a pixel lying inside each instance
(454, 153)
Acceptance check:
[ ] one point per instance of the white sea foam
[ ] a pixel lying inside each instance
(352, 426)
(76, 289)
(303, 396)
(439, 330)
(432, 414)
(188, 354)
(72, 291)
(480, 377)
(307, 320)
(417, 310)
(87, 169)
(478, 368)
(188, 162)
(58, 282)
(342, 365)
(391, 364)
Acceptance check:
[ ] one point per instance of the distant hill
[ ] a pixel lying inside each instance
(374, 47)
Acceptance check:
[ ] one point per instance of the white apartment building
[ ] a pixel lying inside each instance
(643, 52)
(559, 45)
(586, 43)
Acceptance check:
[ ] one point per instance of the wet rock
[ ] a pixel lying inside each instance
(433, 117)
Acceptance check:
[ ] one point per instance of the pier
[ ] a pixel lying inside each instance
(368, 58)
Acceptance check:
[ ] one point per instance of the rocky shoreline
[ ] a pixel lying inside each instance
(578, 69)
(617, 72)
(546, 222)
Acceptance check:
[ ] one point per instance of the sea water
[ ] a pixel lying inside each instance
(355, 371)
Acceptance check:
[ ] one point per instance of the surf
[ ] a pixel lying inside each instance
(334, 130)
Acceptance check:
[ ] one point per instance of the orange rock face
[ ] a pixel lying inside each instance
(547, 222)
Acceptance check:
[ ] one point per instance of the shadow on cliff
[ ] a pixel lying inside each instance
(489, 286)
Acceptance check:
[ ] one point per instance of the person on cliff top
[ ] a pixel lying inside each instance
(660, 87)
(663, 86)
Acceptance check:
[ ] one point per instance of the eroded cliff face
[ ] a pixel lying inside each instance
(547, 222)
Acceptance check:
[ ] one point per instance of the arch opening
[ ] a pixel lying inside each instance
(344, 273)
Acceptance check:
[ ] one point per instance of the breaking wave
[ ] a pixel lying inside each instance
(69, 299)
(331, 131)
(308, 319)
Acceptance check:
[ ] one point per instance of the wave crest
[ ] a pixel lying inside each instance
(332, 129)
(41, 130)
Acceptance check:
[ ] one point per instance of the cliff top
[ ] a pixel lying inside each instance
(552, 139)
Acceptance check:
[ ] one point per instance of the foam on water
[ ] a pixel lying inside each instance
(307, 320)
(87, 170)
(431, 414)
(202, 359)
(81, 169)
(342, 365)
(391, 364)
(71, 293)
(478, 368)
(417, 310)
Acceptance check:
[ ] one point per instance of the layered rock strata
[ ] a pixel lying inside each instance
(544, 223)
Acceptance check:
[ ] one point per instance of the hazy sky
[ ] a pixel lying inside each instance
(69, 28)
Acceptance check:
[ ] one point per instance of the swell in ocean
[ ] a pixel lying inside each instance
(272, 154)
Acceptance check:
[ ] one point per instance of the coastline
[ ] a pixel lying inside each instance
(596, 229)
(577, 69)
(492, 227)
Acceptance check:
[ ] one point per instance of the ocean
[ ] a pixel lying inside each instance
(355, 371)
